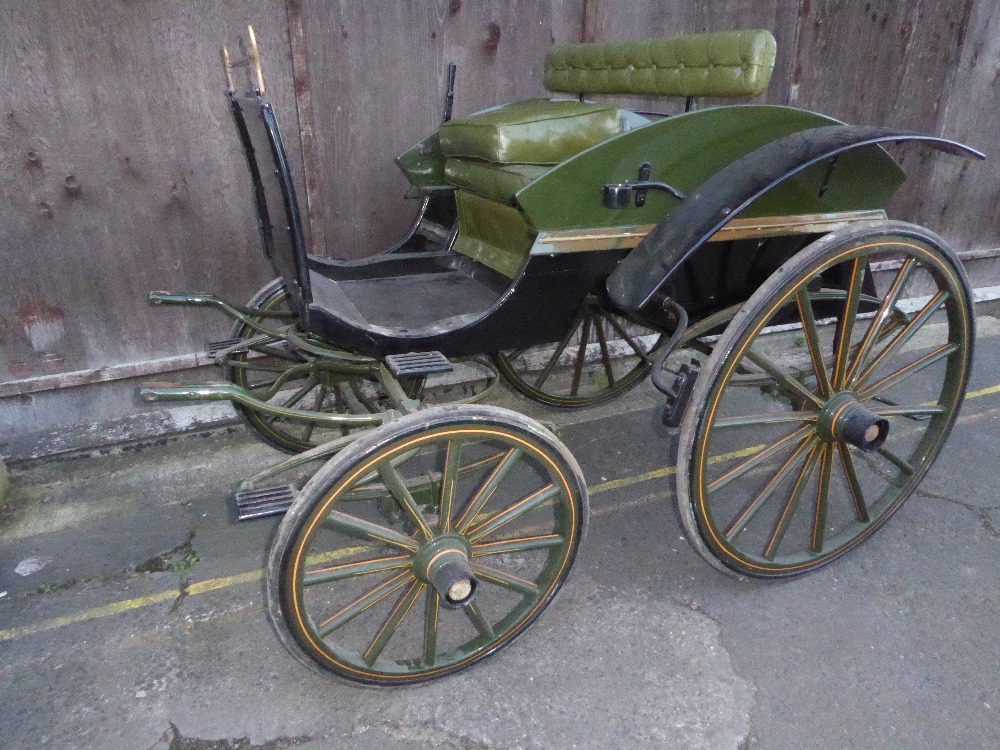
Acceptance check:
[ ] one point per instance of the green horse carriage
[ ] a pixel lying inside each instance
(813, 354)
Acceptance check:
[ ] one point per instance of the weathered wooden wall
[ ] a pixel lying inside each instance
(119, 172)
(377, 78)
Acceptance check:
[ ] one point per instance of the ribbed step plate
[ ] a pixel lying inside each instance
(417, 363)
(264, 501)
(214, 347)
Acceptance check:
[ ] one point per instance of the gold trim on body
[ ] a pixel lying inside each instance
(626, 238)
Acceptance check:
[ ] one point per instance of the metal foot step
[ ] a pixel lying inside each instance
(264, 501)
(214, 347)
(417, 363)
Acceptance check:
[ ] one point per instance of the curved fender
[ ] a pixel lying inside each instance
(730, 191)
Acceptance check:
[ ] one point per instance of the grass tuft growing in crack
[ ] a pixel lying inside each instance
(180, 560)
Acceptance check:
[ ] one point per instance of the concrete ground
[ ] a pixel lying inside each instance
(131, 616)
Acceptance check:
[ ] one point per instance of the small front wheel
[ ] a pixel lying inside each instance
(426, 545)
(274, 370)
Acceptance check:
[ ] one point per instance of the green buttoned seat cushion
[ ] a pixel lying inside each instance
(536, 131)
(722, 64)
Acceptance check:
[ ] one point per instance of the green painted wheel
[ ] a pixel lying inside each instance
(602, 356)
(279, 373)
(426, 545)
(820, 410)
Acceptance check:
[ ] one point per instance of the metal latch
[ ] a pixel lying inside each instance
(625, 194)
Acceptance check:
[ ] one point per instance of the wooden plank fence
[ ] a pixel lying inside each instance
(119, 173)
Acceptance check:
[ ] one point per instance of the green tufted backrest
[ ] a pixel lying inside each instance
(725, 63)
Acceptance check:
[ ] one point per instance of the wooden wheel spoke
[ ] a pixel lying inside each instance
(432, 614)
(321, 395)
(483, 462)
(515, 511)
(881, 316)
(788, 512)
(520, 544)
(392, 622)
(484, 493)
(353, 569)
(602, 340)
(845, 331)
(758, 458)
(362, 529)
(783, 380)
(751, 509)
(301, 393)
(755, 420)
(822, 500)
(903, 336)
(901, 464)
(857, 496)
(398, 489)
(644, 356)
(808, 317)
(452, 469)
(554, 359)
(363, 603)
(581, 356)
(909, 411)
(476, 616)
(908, 371)
(505, 579)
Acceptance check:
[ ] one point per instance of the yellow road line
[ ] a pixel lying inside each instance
(88, 614)
(214, 584)
(984, 392)
(616, 484)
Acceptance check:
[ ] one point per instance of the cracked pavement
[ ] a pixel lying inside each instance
(647, 646)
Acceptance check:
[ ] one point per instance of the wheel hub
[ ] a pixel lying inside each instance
(844, 419)
(443, 562)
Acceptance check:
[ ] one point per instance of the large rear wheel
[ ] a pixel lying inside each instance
(602, 355)
(804, 437)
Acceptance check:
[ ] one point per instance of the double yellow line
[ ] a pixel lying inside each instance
(214, 584)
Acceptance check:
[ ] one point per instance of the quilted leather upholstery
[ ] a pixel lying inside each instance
(728, 64)
(536, 131)
(497, 181)
(495, 234)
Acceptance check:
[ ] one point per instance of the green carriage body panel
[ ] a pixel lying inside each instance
(685, 151)
(503, 205)
(423, 165)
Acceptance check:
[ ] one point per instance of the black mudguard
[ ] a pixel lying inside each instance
(722, 198)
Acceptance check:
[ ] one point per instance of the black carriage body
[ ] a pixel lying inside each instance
(403, 301)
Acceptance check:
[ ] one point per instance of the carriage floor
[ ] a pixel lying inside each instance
(412, 301)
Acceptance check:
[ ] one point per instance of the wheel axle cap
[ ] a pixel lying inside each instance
(844, 419)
